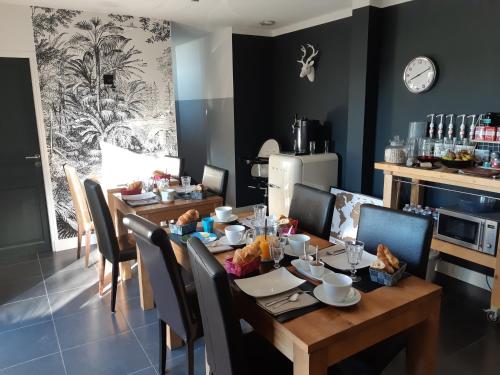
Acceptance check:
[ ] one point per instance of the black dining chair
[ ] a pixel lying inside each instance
(176, 302)
(313, 208)
(215, 180)
(409, 237)
(228, 350)
(112, 249)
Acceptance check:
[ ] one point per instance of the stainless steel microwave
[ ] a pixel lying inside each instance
(475, 232)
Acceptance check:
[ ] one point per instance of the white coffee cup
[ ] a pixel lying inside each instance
(168, 195)
(235, 234)
(223, 213)
(297, 242)
(336, 286)
(317, 268)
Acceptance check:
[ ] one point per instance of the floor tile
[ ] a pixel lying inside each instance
(116, 355)
(146, 371)
(135, 315)
(50, 365)
(22, 289)
(23, 313)
(65, 261)
(13, 256)
(90, 325)
(27, 343)
(78, 300)
(13, 272)
(62, 281)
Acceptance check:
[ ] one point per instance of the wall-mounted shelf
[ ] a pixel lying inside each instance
(494, 142)
(444, 176)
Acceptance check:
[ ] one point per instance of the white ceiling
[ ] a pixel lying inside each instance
(243, 15)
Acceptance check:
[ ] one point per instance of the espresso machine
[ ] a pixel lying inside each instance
(303, 131)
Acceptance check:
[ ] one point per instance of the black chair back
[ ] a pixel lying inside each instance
(165, 276)
(407, 235)
(223, 336)
(103, 223)
(215, 180)
(313, 208)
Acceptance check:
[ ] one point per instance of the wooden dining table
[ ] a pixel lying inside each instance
(321, 338)
(156, 213)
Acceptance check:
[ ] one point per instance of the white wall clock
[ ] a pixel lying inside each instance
(420, 74)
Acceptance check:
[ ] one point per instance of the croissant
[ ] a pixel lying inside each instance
(382, 257)
(134, 185)
(391, 258)
(188, 217)
(247, 254)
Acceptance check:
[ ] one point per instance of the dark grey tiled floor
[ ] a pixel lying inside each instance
(52, 322)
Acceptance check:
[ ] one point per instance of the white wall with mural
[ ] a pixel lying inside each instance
(136, 111)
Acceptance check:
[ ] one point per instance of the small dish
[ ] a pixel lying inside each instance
(230, 219)
(352, 298)
(303, 268)
(288, 251)
(205, 237)
(339, 260)
(223, 241)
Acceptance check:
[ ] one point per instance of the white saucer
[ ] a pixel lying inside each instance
(231, 218)
(223, 241)
(352, 298)
(288, 251)
(303, 268)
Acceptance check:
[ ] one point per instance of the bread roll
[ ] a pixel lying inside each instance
(188, 217)
(391, 258)
(247, 254)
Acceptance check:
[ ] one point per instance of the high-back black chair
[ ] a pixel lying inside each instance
(113, 249)
(215, 180)
(176, 304)
(223, 335)
(407, 235)
(313, 208)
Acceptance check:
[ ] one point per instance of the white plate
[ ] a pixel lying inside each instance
(139, 197)
(269, 284)
(303, 268)
(288, 251)
(339, 261)
(223, 241)
(353, 297)
(232, 218)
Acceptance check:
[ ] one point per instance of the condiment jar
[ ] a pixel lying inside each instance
(395, 152)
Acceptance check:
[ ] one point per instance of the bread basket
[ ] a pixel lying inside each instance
(241, 270)
(387, 279)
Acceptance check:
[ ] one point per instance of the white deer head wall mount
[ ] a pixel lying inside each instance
(308, 65)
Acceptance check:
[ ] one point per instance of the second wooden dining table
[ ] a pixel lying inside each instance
(321, 338)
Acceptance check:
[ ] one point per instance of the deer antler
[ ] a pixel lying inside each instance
(304, 52)
(313, 54)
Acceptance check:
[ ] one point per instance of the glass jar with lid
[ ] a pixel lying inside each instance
(395, 152)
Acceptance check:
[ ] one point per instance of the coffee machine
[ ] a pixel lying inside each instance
(303, 131)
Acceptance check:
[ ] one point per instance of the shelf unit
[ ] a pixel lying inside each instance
(445, 176)
(494, 142)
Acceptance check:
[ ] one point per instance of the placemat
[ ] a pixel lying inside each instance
(289, 315)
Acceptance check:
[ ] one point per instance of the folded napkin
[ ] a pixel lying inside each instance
(215, 247)
(304, 300)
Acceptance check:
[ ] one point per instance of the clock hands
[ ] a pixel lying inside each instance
(419, 74)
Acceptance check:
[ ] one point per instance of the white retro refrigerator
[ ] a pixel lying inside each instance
(318, 170)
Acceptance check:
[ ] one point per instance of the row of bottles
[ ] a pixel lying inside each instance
(485, 128)
(419, 210)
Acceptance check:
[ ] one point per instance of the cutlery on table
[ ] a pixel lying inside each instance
(285, 298)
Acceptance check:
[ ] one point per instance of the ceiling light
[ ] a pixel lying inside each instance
(267, 23)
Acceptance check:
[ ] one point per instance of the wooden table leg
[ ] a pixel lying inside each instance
(422, 350)
(417, 193)
(145, 290)
(309, 363)
(173, 341)
(391, 191)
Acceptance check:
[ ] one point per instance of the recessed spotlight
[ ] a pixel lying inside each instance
(267, 23)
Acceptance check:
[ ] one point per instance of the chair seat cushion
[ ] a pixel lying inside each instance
(127, 247)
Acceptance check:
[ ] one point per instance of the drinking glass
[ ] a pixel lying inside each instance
(312, 147)
(186, 182)
(277, 251)
(354, 251)
(250, 236)
(260, 211)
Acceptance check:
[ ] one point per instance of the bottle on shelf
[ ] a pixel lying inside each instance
(431, 125)
(472, 126)
(440, 126)
(451, 125)
(462, 127)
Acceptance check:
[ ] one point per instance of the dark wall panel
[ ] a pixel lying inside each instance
(326, 98)
(253, 84)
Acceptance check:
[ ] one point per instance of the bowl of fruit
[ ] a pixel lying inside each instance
(458, 160)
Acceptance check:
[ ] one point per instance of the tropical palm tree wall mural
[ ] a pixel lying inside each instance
(74, 51)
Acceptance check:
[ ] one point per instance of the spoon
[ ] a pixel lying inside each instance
(291, 298)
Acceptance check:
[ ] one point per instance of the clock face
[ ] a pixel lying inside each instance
(419, 75)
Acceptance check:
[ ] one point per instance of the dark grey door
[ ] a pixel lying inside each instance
(23, 208)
